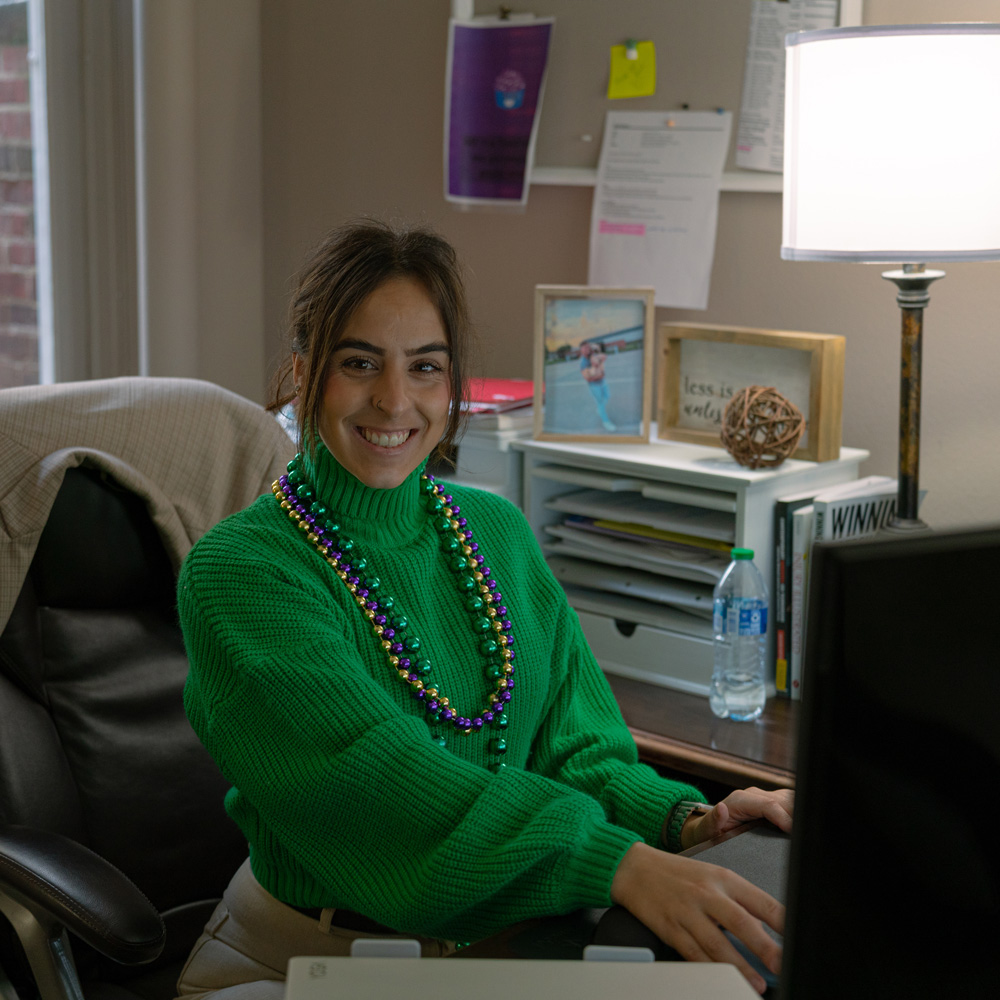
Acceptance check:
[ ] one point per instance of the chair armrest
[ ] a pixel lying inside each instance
(62, 882)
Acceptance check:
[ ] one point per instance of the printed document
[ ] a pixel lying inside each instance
(761, 130)
(656, 204)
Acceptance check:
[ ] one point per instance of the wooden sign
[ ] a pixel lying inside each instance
(701, 367)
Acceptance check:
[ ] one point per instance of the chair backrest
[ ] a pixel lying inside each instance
(94, 742)
(195, 452)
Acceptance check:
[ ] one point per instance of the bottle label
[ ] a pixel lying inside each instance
(753, 621)
(738, 620)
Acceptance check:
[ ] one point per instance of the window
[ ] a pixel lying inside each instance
(67, 232)
(144, 135)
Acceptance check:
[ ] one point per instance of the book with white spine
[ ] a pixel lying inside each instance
(857, 508)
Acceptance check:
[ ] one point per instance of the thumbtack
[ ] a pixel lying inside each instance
(631, 49)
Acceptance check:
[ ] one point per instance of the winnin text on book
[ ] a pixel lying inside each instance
(862, 518)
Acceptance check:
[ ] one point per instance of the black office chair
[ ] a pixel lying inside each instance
(101, 776)
(102, 781)
(114, 846)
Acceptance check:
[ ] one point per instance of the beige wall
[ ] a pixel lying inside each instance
(352, 123)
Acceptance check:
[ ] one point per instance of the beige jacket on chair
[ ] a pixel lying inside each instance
(194, 451)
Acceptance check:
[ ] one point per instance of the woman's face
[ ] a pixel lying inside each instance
(387, 391)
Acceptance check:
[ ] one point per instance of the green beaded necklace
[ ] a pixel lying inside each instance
(402, 649)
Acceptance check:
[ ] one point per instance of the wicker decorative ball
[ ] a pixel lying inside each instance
(760, 427)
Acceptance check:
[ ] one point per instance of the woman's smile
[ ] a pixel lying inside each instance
(385, 439)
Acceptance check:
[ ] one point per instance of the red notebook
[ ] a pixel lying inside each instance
(494, 395)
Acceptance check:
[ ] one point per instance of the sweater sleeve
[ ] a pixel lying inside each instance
(336, 778)
(585, 744)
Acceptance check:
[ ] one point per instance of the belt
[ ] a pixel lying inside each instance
(347, 919)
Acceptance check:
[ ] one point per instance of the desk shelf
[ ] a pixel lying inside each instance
(657, 644)
(734, 180)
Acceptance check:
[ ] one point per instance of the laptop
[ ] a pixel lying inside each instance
(319, 978)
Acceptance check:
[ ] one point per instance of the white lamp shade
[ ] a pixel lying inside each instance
(892, 144)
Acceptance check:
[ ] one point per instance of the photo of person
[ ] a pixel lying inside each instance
(593, 358)
(592, 368)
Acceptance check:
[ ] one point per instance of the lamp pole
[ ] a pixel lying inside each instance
(912, 294)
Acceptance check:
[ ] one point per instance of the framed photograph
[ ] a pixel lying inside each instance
(702, 366)
(593, 363)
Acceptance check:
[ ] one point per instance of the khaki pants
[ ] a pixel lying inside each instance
(244, 950)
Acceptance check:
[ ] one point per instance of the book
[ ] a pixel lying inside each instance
(496, 395)
(860, 507)
(520, 419)
(802, 537)
(784, 508)
(846, 510)
(781, 614)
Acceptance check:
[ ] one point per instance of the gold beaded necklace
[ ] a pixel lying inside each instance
(402, 649)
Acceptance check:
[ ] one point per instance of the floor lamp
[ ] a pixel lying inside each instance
(892, 155)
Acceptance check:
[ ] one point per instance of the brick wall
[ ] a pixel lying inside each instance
(18, 303)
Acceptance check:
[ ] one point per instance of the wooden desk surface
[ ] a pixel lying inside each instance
(678, 731)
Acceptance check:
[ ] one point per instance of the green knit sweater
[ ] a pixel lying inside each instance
(342, 794)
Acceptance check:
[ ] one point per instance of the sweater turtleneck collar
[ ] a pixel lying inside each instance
(383, 516)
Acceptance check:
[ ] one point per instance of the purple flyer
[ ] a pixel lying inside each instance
(496, 76)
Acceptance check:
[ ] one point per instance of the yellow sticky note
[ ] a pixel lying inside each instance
(635, 77)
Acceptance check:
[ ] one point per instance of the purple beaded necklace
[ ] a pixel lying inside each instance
(402, 649)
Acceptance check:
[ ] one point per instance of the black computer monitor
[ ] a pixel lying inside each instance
(894, 878)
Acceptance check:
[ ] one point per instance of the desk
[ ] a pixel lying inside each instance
(678, 731)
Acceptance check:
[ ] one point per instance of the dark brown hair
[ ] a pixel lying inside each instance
(343, 270)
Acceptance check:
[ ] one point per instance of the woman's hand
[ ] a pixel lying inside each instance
(737, 808)
(687, 903)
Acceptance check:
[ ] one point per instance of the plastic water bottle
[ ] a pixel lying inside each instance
(739, 626)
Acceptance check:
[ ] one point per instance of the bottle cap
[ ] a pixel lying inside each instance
(742, 553)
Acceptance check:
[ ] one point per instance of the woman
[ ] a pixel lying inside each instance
(592, 360)
(418, 737)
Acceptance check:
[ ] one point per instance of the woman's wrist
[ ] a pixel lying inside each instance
(628, 874)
